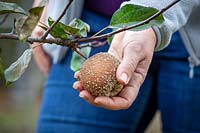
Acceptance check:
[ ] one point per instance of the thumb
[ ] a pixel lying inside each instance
(131, 57)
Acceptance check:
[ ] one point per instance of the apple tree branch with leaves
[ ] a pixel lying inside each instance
(73, 35)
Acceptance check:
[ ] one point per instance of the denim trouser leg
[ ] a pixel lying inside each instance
(178, 95)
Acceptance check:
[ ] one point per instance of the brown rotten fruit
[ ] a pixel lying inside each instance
(98, 75)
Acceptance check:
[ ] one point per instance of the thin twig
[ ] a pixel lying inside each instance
(79, 53)
(9, 36)
(73, 43)
(88, 39)
(4, 19)
(102, 30)
(59, 18)
(93, 44)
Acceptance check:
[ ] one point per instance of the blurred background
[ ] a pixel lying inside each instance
(20, 102)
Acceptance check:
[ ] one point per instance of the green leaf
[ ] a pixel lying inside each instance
(57, 31)
(77, 60)
(83, 27)
(7, 8)
(76, 28)
(16, 69)
(26, 25)
(71, 30)
(132, 14)
(110, 40)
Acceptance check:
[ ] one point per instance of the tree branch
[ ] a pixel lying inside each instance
(78, 52)
(31, 40)
(59, 18)
(88, 39)
(72, 43)
(102, 30)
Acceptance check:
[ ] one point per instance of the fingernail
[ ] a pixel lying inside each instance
(75, 86)
(81, 95)
(124, 78)
(97, 102)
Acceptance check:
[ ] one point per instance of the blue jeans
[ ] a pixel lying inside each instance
(167, 87)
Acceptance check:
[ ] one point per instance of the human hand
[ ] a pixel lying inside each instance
(135, 51)
(42, 59)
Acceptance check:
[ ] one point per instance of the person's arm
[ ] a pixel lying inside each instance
(42, 59)
(136, 50)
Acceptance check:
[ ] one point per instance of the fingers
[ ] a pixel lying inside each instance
(125, 98)
(130, 91)
(77, 75)
(87, 97)
(137, 46)
(84, 94)
(78, 86)
(126, 48)
(112, 103)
